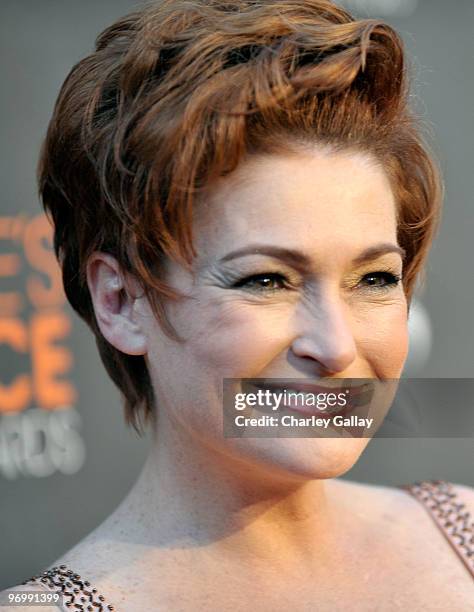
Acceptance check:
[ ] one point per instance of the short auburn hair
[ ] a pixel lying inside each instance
(178, 94)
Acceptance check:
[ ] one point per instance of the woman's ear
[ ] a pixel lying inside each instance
(113, 300)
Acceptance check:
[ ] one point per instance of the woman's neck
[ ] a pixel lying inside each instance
(191, 496)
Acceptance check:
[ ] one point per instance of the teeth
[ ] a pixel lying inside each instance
(292, 392)
(300, 398)
(308, 401)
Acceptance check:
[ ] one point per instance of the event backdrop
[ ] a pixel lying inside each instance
(66, 458)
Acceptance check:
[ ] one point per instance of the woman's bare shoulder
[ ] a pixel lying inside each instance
(465, 495)
(399, 527)
(99, 562)
(370, 497)
(394, 511)
(87, 569)
(383, 494)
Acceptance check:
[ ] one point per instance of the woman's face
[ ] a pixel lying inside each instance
(280, 289)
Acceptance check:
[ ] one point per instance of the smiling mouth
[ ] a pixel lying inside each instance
(356, 395)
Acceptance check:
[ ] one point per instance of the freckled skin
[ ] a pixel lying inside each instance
(330, 206)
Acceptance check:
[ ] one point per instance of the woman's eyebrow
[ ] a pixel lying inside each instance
(299, 260)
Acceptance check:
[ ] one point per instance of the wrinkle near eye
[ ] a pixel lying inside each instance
(213, 276)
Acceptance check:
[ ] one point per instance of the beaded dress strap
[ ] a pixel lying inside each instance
(454, 521)
(78, 593)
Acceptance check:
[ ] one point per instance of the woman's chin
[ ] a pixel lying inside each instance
(300, 458)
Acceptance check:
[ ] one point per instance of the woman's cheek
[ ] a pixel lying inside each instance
(240, 339)
(383, 339)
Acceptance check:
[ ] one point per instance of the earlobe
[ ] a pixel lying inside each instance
(114, 304)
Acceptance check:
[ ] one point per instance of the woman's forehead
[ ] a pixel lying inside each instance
(335, 198)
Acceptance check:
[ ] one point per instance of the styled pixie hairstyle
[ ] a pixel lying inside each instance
(178, 94)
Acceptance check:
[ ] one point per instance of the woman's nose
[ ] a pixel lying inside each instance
(325, 333)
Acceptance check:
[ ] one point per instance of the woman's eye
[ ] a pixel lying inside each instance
(271, 281)
(263, 282)
(388, 280)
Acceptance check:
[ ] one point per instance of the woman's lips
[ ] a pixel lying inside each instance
(356, 395)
